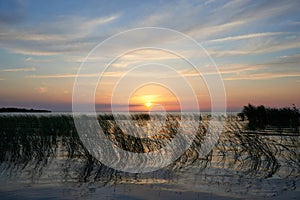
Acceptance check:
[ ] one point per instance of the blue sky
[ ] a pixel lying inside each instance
(255, 44)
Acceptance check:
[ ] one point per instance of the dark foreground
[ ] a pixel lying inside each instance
(42, 157)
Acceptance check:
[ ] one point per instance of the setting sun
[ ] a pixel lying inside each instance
(152, 97)
(148, 104)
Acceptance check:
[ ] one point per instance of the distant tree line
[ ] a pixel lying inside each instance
(22, 110)
(259, 117)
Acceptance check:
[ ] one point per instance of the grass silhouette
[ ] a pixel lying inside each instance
(259, 117)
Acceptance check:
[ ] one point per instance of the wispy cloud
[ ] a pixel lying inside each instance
(256, 45)
(261, 76)
(248, 36)
(223, 70)
(90, 24)
(55, 76)
(67, 28)
(59, 76)
(273, 46)
(286, 60)
(73, 34)
(280, 67)
(205, 32)
(79, 34)
(238, 16)
(31, 36)
(32, 51)
(31, 69)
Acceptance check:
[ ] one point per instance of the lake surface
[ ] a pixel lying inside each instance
(42, 157)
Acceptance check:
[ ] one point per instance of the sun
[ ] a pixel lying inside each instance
(148, 104)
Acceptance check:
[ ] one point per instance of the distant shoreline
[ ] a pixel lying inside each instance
(22, 110)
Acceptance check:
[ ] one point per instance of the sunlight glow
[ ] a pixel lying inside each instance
(148, 104)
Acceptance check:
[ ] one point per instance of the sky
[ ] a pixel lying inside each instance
(254, 44)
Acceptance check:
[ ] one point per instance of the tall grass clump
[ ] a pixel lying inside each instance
(259, 117)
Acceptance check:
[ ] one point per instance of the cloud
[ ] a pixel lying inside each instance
(223, 70)
(30, 36)
(203, 33)
(238, 16)
(31, 51)
(219, 22)
(283, 66)
(72, 34)
(248, 36)
(78, 35)
(280, 67)
(259, 11)
(55, 76)
(20, 69)
(66, 28)
(158, 17)
(144, 56)
(261, 76)
(90, 24)
(288, 60)
(59, 76)
(256, 45)
(274, 46)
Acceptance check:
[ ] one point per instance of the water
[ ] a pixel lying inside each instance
(42, 157)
